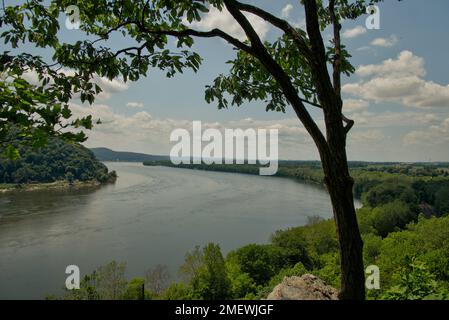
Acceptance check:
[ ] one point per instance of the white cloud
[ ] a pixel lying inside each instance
(406, 64)
(433, 135)
(286, 11)
(144, 133)
(135, 105)
(364, 48)
(385, 42)
(109, 87)
(399, 80)
(354, 32)
(355, 105)
(226, 22)
(367, 136)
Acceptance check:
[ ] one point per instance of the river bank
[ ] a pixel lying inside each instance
(58, 185)
(308, 172)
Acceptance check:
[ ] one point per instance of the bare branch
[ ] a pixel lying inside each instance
(349, 123)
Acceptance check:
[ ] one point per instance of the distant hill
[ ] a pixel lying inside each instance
(105, 154)
(59, 160)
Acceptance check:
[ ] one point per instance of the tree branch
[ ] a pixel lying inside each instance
(324, 86)
(279, 74)
(337, 45)
(279, 23)
(180, 33)
(349, 123)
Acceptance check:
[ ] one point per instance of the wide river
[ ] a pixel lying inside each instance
(152, 215)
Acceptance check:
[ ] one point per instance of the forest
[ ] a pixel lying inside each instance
(58, 160)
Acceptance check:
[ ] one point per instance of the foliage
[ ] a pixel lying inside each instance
(311, 241)
(176, 291)
(211, 281)
(111, 282)
(156, 279)
(416, 283)
(242, 284)
(135, 290)
(389, 191)
(442, 200)
(386, 218)
(59, 160)
(261, 262)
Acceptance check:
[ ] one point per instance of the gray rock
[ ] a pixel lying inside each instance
(306, 287)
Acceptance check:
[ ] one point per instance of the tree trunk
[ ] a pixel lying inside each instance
(339, 184)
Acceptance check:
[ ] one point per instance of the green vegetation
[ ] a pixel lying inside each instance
(57, 164)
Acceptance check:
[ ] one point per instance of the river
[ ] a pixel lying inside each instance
(152, 215)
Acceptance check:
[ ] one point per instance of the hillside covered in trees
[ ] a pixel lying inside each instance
(59, 160)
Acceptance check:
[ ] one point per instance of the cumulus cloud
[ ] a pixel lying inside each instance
(226, 22)
(144, 133)
(385, 42)
(354, 32)
(355, 105)
(367, 136)
(110, 87)
(433, 135)
(286, 11)
(135, 105)
(107, 86)
(399, 80)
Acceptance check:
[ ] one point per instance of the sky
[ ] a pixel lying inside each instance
(398, 97)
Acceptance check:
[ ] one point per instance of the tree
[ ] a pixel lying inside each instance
(135, 290)
(192, 264)
(156, 279)
(293, 70)
(211, 281)
(111, 282)
(262, 262)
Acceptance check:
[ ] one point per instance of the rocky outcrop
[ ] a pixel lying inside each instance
(306, 287)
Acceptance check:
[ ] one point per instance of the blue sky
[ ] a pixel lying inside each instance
(399, 97)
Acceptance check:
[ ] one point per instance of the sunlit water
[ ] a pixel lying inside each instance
(152, 215)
